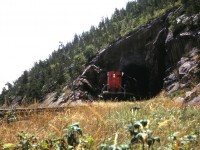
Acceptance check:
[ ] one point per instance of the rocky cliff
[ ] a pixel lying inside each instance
(163, 54)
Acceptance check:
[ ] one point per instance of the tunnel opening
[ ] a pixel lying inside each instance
(143, 82)
(136, 80)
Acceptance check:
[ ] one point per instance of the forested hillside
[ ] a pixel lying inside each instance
(68, 62)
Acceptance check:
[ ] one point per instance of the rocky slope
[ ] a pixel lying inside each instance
(161, 55)
(183, 81)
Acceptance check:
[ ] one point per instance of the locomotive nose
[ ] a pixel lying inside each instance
(114, 80)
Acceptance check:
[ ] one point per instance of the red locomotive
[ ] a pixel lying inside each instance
(114, 81)
(115, 88)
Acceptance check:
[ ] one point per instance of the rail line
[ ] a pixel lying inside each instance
(23, 111)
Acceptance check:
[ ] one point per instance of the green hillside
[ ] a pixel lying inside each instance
(68, 62)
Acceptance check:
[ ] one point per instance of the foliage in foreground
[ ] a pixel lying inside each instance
(68, 140)
(72, 138)
(168, 127)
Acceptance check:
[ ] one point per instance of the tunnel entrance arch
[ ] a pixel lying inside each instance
(136, 80)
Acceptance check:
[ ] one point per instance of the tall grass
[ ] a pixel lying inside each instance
(106, 122)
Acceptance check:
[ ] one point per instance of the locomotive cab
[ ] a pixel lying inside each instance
(115, 88)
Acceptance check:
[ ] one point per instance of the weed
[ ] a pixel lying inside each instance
(107, 126)
(182, 142)
(10, 116)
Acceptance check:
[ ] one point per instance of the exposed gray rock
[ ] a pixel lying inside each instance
(195, 101)
(147, 54)
(187, 74)
(50, 100)
(182, 61)
(192, 97)
(173, 87)
(179, 100)
(186, 67)
(169, 80)
(189, 95)
(170, 37)
(194, 52)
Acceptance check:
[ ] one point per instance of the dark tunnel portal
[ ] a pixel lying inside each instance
(136, 80)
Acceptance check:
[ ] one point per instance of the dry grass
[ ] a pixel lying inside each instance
(102, 120)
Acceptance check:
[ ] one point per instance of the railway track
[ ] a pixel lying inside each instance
(24, 111)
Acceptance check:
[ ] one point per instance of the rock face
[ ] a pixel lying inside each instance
(158, 55)
(185, 73)
(139, 55)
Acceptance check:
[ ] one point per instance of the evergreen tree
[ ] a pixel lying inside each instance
(68, 61)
